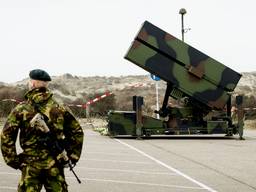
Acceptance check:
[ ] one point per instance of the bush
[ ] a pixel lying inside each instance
(99, 108)
(102, 106)
(6, 93)
(79, 112)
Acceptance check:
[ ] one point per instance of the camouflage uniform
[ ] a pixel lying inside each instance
(39, 168)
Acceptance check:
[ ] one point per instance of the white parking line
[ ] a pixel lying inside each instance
(8, 173)
(112, 154)
(115, 161)
(127, 171)
(10, 188)
(168, 167)
(136, 183)
(250, 137)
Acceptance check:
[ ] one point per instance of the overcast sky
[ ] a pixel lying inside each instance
(88, 38)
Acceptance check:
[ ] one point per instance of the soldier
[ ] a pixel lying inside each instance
(38, 165)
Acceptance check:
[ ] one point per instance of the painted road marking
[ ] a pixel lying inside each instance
(10, 188)
(251, 137)
(8, 173)
(168, 167)
(136, 183)
(127, 171)
(115, 161)
(111, 154)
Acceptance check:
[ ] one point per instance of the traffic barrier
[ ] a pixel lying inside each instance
(72, 105)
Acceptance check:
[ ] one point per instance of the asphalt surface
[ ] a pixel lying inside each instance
(159, 164)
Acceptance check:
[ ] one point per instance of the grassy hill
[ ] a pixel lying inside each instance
(76, 89)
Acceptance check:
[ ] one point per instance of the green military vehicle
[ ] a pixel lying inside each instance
(202, 83)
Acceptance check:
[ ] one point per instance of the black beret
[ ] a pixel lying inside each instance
(39, 74)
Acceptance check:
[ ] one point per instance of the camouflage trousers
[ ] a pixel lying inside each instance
(33, 179)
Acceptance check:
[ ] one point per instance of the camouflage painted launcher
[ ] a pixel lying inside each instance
(190, 71)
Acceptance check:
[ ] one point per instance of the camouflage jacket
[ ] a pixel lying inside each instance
(60, 120)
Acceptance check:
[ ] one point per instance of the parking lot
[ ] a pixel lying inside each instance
(158, 164)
